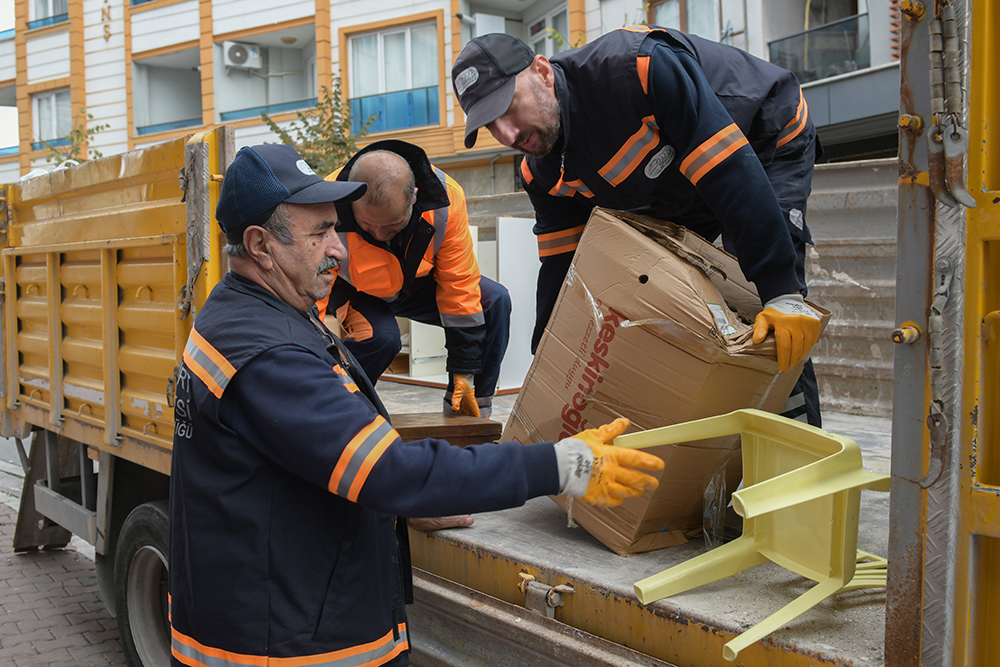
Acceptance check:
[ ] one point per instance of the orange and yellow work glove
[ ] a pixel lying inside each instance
(463, 398)
(796, 328)
(602, 474)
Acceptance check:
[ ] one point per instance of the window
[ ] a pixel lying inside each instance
(549, 35)
(48, 12)
(53, 116)
(394, 76)
(698, 17)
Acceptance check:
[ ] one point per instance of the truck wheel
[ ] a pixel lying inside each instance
(141, 586)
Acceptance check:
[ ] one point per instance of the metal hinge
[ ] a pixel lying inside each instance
(540, 598)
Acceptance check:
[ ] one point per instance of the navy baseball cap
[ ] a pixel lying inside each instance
(484, 76)
(261, 177)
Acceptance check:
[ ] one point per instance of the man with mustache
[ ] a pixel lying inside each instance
(287, 477)
(661, 123)
(409, 254)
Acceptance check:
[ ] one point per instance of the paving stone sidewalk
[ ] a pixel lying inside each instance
(51, 613)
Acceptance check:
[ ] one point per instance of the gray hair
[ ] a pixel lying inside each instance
(277, 224)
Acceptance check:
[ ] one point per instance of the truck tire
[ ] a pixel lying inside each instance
(141, 586)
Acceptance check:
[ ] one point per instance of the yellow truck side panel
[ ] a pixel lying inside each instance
(103, 265)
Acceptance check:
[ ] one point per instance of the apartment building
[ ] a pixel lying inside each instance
(152, 70)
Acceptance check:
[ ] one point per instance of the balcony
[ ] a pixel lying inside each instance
(48, 20)
(269, 109)
(829, 50)
(393, 111)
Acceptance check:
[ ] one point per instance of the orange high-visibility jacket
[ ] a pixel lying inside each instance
(437, 245)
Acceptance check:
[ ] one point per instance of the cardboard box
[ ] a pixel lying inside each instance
(643, 329)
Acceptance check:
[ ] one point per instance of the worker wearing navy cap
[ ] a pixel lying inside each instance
(661, 123)
(287, 477)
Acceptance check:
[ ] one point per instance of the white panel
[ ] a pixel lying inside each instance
(104, 67)
(48, 57)
(517, 270)
(231, 15)
(8, 64)
(258, 134)
(10, 171)
(165, 26)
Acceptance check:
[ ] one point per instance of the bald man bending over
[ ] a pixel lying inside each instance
(409, 254)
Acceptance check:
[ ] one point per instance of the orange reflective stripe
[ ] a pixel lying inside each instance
(196, 654)
(642, 64)
(346, 378)
(556, 243)
(711, 152)
(526, 174)
(631, 154)
(796, 124)
(205, 361)
(369, 462)
(371, 654)
(359, 456)
(637, 28)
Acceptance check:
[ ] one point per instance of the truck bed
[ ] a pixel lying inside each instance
(468, 598)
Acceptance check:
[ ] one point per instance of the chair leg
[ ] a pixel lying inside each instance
(786, 614)
(718, 563)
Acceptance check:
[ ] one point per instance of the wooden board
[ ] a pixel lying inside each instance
(460, 430)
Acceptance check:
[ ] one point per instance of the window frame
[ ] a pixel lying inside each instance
(50, 97)
(380, 54)
(50, 10)
(684, 17)
(345, 61)
(546, 39)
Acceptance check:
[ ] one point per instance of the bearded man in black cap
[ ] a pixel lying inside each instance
(661, 123)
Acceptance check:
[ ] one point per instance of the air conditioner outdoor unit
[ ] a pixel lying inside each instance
(237, 54)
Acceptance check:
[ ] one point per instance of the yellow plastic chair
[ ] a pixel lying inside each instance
(800, 506)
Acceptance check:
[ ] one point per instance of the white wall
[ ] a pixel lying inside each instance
(48, 57)
(230, 15)
(258, 134)
(282, 79)
(8, 65)
(164, 94)
(235, 89)
(104, 66)
(165, 26)
(10, 171)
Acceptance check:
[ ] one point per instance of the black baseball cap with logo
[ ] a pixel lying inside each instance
(261, 177)
(483, 78)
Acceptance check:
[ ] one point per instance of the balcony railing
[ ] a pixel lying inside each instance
(254, 112)
(49, 20)
(835, 48)
(39, 145)
(392, 111)
(163, 127)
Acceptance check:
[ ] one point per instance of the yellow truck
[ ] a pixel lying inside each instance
(105, 265)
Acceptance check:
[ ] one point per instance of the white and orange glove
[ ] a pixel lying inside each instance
(796, 328)
(463, 398)
(602, 474)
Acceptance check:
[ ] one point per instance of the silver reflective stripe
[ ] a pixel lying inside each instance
(440, 216)
(374, 656)
(474, 320)
(206, 362)
(359, 456)
(345, 266)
